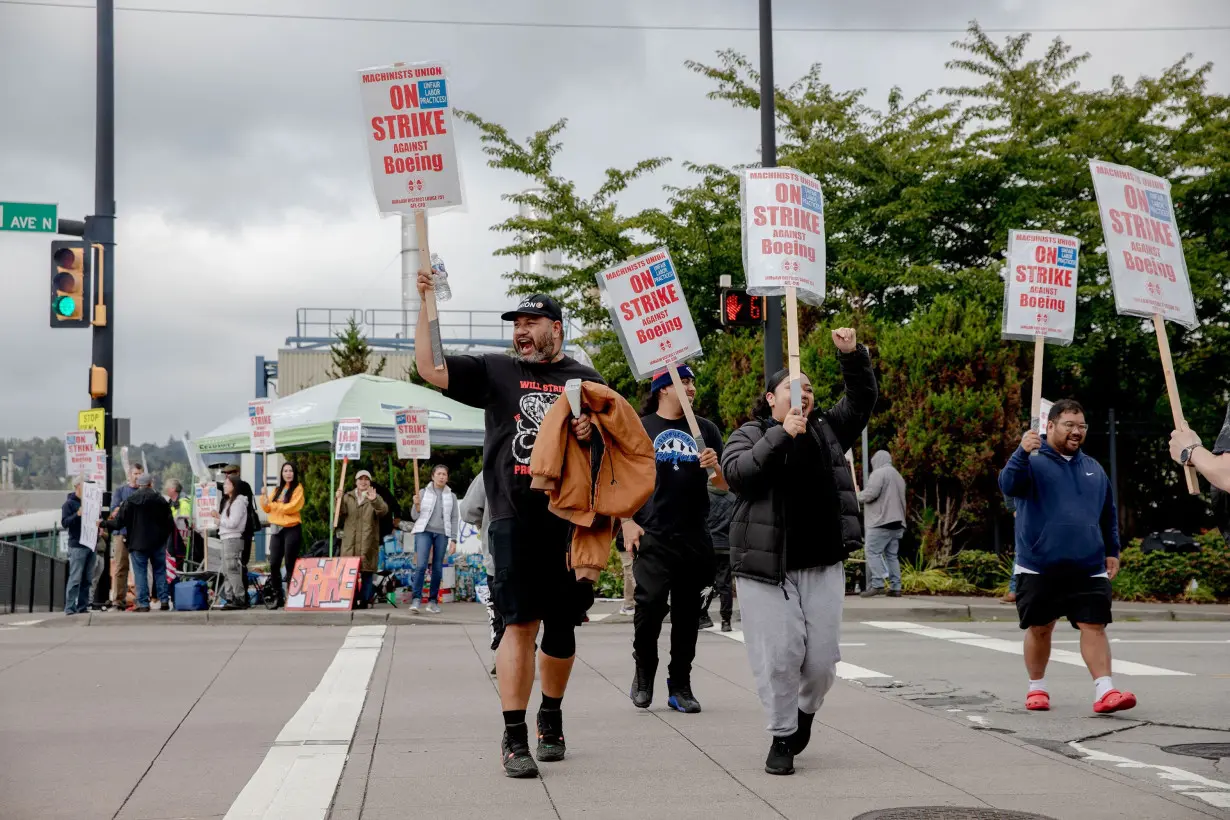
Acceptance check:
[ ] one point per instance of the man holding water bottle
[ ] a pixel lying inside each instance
(532, 585)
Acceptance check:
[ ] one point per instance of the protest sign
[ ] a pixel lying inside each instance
(97, 470)
(1147, 268)
(1044, 411)
(649, 312)
(91, 512)
(413, 437)
(1040, 291)
(783, 233)
(323, 584)
(79, 451)
(205, 506)
(260, 427)
(408, 116)
(349, 438)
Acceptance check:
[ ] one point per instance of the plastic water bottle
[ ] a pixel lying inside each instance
(440, 275)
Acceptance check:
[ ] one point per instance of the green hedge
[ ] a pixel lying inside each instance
(1167, 575)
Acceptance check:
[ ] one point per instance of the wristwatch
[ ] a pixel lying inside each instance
(1186, 455)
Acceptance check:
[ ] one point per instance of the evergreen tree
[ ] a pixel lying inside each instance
(352, 355)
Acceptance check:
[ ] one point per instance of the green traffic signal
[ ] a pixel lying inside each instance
(66, 306)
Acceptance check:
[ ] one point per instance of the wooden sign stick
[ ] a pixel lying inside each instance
(1172, 387)
(337, 507)
(677, 383)
(429, 301)
(416, 479)
(1035, 400)
(792, 346)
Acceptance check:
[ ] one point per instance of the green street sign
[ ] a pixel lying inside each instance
(27, 216)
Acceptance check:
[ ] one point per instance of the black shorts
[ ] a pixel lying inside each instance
(1041, 599)
(532, 580)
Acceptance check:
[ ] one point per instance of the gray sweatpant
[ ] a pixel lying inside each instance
(792, 642)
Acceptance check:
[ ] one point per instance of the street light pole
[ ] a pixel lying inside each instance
(102, 224)
(768, 159)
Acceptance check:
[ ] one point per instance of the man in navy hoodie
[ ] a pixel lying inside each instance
(1067, 551)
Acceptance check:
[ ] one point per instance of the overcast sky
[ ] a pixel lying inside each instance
(242, 179)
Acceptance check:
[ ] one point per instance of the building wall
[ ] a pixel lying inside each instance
(300, 369)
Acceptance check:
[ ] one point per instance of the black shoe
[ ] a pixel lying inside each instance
(142, 609)
(550, 735)
(705, 621)
(231, 606)
(165, 606)
(681, 698)
(894, 593)
(871, 592)
(642, 687)
(780, 759)
(802, 735)
(726, 625)
(515, 752)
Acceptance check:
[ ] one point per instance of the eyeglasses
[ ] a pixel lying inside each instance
(1069, 425)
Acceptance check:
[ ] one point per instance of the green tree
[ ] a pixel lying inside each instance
(352, 355)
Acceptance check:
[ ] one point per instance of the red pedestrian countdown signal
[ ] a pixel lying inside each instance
(741, 310)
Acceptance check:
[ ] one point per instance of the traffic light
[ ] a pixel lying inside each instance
(70, 284)
(739, 309)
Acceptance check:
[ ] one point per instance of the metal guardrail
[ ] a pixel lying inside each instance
(30, 580)
(387, 328)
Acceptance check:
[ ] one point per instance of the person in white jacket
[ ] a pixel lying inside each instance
(233, 520)
(437, 526)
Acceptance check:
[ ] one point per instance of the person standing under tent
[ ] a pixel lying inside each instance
(437, 526)
(232, 524)
(284, 508)
(360, 517)
(796, 521)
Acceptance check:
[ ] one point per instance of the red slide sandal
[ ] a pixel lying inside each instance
(1038, 701)
(1114, 701)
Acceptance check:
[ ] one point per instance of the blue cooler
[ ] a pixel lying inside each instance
(191, 596)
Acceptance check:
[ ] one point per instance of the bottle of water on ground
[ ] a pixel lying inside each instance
(440, 275)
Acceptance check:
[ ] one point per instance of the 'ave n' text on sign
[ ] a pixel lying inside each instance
(30, 217)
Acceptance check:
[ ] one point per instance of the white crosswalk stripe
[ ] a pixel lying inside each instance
(1118, 666)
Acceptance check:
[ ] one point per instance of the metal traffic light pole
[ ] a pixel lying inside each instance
(101, 226)
(768, 159)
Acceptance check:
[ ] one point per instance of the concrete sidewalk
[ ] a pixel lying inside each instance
(428, 743)
(907, 608)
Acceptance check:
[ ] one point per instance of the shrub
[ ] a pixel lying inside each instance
(611, 579)
(985, 570)
(1166, 575)
(921, 577)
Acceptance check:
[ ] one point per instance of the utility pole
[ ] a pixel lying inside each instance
(100, 228)
(768, 159)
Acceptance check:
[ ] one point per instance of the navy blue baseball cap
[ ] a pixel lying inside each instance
(537, 305)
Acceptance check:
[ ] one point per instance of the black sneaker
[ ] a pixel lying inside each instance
(802, 735)
(642, 687)
(681, 698)
(894, 593)
(705, 621)
(550, 735)
(780, 759)
(515, 752)
(165, 606)
(872, 592)
(726, 626)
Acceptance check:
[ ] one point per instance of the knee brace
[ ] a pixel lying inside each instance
(559, 639)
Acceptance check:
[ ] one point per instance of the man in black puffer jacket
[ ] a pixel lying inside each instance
(796, 520)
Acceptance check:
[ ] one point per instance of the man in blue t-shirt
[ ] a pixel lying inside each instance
(1067, 551)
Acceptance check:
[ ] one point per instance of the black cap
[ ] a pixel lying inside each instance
(537, 305)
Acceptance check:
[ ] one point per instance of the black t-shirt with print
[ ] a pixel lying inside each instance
(516, 397)
(679, 506)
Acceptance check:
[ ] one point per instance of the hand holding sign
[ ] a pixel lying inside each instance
(795, 424)
(845, 339)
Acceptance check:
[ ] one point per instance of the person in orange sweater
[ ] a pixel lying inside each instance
(285, 526)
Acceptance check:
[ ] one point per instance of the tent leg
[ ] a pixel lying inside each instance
(332, 494)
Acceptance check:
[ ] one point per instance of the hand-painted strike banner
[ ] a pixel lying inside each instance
(649, 312)
(1147, 268)
(1040, 291)
(783, 233)
(327, 584)
(413, 437)
(409, 120)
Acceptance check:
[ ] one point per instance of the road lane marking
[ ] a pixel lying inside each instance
(1142, 640)
(600, 616)
(1183, 781)
(299, 774)
(845, 671)
(1118, 667)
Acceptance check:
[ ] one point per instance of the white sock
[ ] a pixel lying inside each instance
(1038, 685)
(1101, 686)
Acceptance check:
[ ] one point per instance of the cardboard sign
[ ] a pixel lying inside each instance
(349, 439)
(260, 426)
(1040, 291)
(783, 233)
(408, 119)
(97, 471)
(413, 436)
(327, 584)
(649, 312)
(79, 446)
(1147, 268)
(96, 420)
(91, 513)
(205, 507)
